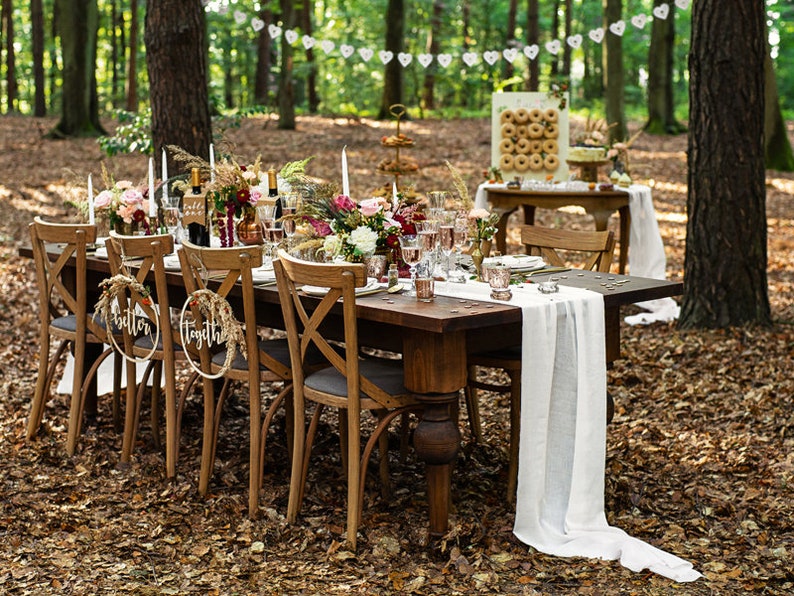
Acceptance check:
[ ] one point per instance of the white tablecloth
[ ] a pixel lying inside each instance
(560, 498)
(646, 249)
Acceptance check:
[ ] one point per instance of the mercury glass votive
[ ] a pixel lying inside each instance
(499, 280)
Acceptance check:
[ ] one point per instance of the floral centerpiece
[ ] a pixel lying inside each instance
(234, 193)
(126, 205)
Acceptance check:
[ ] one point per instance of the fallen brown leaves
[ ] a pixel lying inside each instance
(699, 462)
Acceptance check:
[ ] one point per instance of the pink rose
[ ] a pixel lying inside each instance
(370, 207)
(103, 199)
(344, 203)
(122, 184)
(320, 227)
(131, 196)
(479, 213)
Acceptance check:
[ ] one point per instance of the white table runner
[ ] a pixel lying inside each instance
(562, 452)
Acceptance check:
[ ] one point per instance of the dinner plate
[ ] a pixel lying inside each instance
(519, 263)
(262, 275)
(171, 262)
(372, 285)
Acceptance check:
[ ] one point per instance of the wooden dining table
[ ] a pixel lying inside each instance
(434, 339)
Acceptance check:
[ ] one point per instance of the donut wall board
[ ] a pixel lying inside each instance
(529, 135)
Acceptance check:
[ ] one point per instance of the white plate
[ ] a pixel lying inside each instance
(171, 262)
(372, 284)
(101, 252)
(519, 263)
(261, 275)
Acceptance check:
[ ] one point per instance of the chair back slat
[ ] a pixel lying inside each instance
(598, 246)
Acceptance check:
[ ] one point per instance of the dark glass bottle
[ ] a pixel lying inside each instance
(272, 185)
(198, 233)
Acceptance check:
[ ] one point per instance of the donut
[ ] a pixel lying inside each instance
(551, 163)
(535, 115)
(521, 163)
(551, 131)
(508, 130)
(506, 162)
(523, 146)
(535, 130)
(550, 115)
(507, 117)
(535, 162)
(550, 146)
(522, 116)
(522, 132)
(506, 146)
(536, 146)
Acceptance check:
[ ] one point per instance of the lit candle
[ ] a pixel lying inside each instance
(91, 219)
(165, 176)
(152, 201)
(212, 163)
(345, 182)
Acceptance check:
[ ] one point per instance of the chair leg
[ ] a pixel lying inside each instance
(383, 460)
(118, 361)
(271, 412)
(157, 380)
(75, 406)
(130, 414)
(43, 381)
(355, 474)
(515, 433)
(473, 406)
(207, 443)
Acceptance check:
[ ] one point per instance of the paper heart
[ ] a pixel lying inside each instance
(239, 17)
(682, 4)
(274, 31)
(385, 56)
(618, 27)
(291, 36)
(661, 11)
(366, 54)
(510, 54)
(424, 59)
(404, 58)
(257, 24)
(597, 34)
(639, 21)
(574, 41)
(444, 60)
(327, 45)
(308, 42)
(470, 58)
(553, 47)
(490, 56)
(346, 50)
(532, 51)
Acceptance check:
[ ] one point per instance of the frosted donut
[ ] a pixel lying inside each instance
(535, 115)
(551, 163)
(551, 131)
(550, 115)
(507, 117)
(535, 130)
(523, 146)
(550, 146)
(522, 163)
(522, 132)
(506, 162)
(522, 116)
(535, 162)
(535, 146)
(508, 130)
(506, 146)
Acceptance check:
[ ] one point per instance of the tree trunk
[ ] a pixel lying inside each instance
(613, 73)
(555, 34)
(393, 76)
(777, 148)
(725, 259)
(286, 86)
(37, 38)
(567, 50)
(533, 38)
(79, 106)
(433, 46)
(264, 62)
(510, 31)
(131, 92)
(116, 22)
(176, 58)
(661, 105)
(8, 38)
(312, 94)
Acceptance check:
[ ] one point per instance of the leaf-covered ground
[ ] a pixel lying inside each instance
(699, 460)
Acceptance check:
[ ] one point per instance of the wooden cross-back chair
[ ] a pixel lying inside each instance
(64, 316)
(598, 250)
(220, 270)
(350, 384)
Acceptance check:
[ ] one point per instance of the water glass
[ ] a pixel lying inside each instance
(411, 250)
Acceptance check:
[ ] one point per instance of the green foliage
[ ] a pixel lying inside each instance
(133, 134)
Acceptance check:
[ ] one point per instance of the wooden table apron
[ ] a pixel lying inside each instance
(434, 342)
(599, 204)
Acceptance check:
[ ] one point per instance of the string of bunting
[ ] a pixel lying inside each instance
(470, 58)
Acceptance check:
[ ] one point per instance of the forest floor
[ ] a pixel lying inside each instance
(699, 455)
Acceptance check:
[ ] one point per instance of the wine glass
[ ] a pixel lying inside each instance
(172, 218)
(289, 206)
(446, 237)
(411, 249)
(461, 240)
(267, 218)
(438, 202)
(427, 230)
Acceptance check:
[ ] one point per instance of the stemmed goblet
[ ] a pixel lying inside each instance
(267, 218)
(427, 230)
(411, 249)
(446, 237)
(461, 239)
(172, 218)
(289, 206)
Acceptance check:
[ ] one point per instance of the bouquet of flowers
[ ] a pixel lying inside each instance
(483, 224)
(123, 202)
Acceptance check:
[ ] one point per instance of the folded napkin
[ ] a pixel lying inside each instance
(560, 496)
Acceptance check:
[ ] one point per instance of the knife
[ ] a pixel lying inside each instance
(549, 270)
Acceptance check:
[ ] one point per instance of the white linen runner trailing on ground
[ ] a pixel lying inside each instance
(562, 452)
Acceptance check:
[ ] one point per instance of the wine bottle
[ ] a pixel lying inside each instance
(272, 185)
(195, 207)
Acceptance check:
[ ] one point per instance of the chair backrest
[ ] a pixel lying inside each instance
(56, 290)
(219, 270)
(598, 246)
(306, 326)
(138, 258)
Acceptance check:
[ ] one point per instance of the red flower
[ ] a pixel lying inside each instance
(139, 215)
(243, 196)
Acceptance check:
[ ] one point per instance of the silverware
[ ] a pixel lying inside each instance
(548, 270)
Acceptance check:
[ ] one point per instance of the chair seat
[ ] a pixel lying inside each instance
(387, 377)
(68, 323)
(146, 342)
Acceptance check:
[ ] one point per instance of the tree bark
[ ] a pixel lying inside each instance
(131, 92)
(286, 86)
(661, 105)
(510, 30)
(37, 38)
(264, 62)
(176, 58)
(613, 73)
(433, 46)
(567, 50)
(312, 94)
(725, 259)
(393, 76)
(533, 38)
(8, 38)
